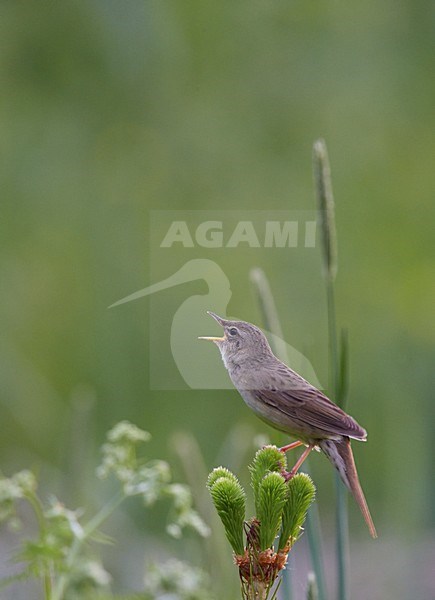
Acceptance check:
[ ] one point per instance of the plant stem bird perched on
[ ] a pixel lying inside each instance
(287, 402)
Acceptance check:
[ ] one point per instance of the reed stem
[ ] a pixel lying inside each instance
(322, 178)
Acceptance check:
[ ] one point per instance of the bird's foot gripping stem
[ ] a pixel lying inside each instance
(289, 474)
(285, 449)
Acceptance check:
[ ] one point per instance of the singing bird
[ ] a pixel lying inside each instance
(289, 403)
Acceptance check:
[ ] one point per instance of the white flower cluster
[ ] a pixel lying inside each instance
(150, 479)
(15, 488)
(176, 580)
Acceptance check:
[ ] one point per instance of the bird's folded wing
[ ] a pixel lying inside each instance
(307, 405)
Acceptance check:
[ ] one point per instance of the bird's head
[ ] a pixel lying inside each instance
(241, 341)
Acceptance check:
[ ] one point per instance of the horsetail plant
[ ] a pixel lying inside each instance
(266, 460)
(281, 507)
(295, 509)
(272, 496)
(229, 499)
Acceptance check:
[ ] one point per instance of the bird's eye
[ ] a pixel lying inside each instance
(233, 331)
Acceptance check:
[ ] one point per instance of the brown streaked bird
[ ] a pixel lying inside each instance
(287, 402)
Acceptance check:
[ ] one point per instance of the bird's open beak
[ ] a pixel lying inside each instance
(221, 322)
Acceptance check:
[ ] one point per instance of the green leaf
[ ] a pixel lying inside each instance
(268, 459)
(300, 494)
(229, 499)
(272, 496)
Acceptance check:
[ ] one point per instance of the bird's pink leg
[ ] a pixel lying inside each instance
(299, 462)
(291, 446)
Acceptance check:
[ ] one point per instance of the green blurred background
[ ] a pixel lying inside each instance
(112, 109)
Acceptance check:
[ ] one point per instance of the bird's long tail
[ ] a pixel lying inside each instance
(340, 454)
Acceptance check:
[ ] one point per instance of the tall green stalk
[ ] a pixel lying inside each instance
(342, 539)
(337, 362)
